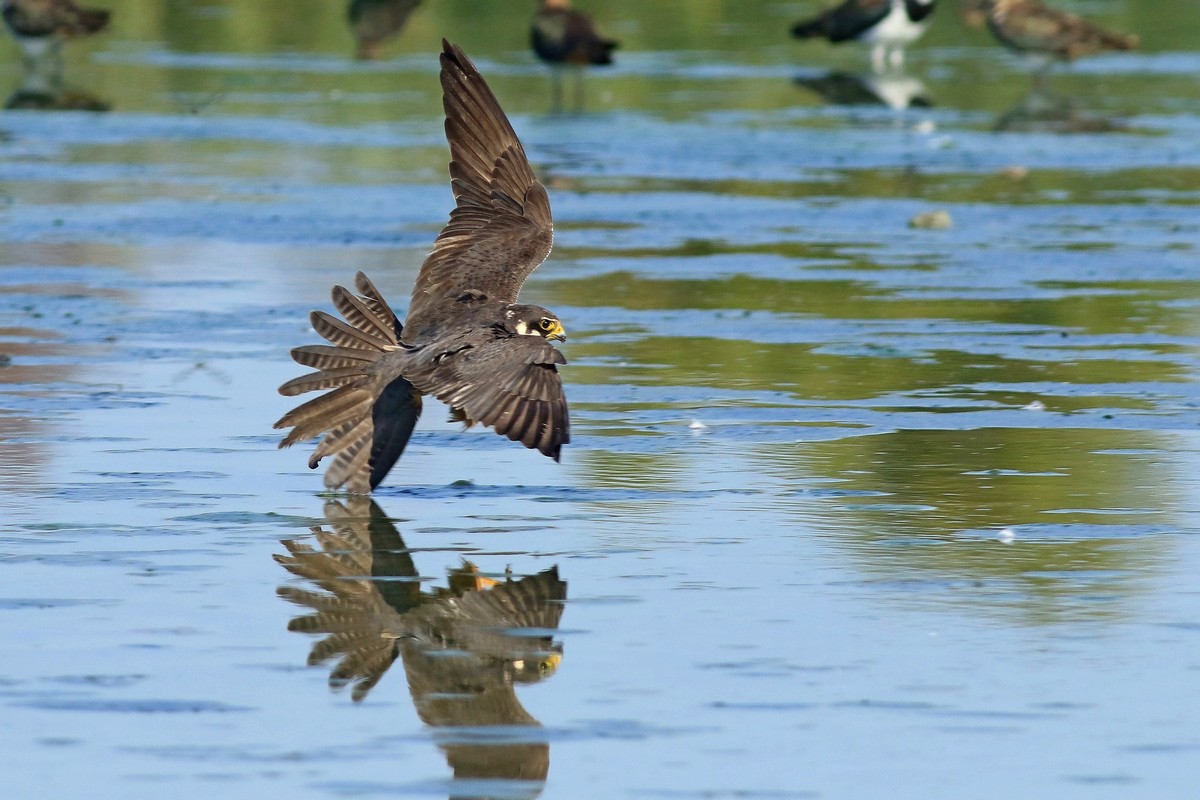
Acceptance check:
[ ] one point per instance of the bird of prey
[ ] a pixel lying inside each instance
(466, 341)
(58, 19)
(464, 647)
(887, 25)
(1029, 26)
(564, 36)
(373, 22)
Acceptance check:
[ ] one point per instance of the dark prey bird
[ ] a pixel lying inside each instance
(373, 22)
(887, 25)
(1028, 26)
(563, 36)
(60, 19)
(467, 341)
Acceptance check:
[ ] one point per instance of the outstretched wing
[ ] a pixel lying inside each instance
(510, 384)
(501, 228)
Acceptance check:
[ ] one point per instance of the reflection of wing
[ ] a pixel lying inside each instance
(361, 607)
(534, 602)
(500, 229)
(466, 655)
(511, 624)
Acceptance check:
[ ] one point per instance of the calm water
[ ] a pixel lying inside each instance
(853, 509)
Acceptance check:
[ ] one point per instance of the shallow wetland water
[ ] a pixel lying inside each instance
(852, 508)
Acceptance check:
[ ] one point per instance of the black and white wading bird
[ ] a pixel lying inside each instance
(888, 26)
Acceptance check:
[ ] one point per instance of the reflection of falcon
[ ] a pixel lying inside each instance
(373, 22)
(52, 18)
(1028, 26)
(466, 340)
(463, 647)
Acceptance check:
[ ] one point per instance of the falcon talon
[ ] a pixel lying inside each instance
(466, 341)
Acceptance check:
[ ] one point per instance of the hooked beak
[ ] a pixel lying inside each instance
(558, 333)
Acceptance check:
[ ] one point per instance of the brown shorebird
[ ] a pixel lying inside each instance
(563, 36)
(374, 22)
(887, 25)
(1029, 26)
(466, 341)
(60, 19)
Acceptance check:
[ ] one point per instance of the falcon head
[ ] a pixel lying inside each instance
(536, 666)
(530, 320)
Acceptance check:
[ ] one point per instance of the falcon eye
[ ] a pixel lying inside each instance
(546, 323)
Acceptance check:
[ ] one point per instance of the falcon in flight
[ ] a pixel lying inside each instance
(466, 341)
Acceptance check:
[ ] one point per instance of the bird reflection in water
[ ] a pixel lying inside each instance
(42, 88)
(374, 22)
(464, 647)
(40, 27)
(1043, 110)
(894, 90)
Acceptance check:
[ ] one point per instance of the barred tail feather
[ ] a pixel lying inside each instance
(366, 425)
(342, 334)
(322, 356)
(375, 302)
(316, 381)
(337, 438)
(325, 413)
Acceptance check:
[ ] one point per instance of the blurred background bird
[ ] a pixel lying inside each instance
(60, 19)
(888, 26)
(564, 37)
(374, 22)
(1029, 26)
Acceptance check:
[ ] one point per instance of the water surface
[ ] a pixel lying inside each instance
(852, 508)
